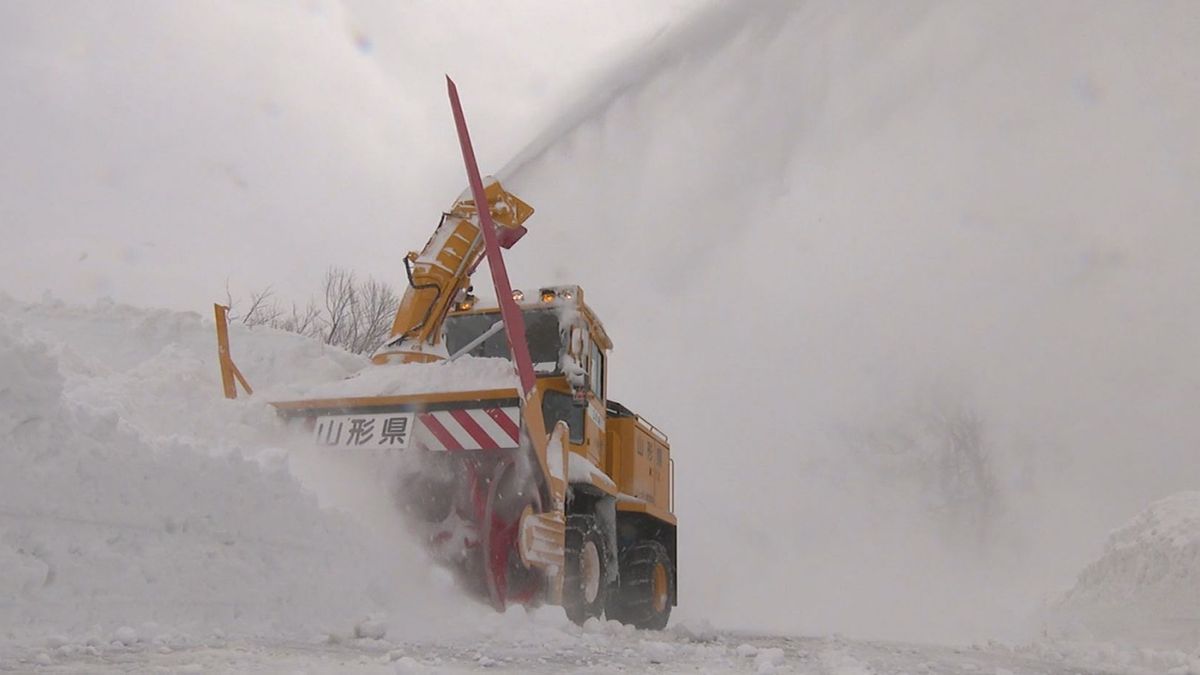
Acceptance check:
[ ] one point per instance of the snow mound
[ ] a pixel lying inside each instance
(1145, 588)
(31, 382)
(131, 494)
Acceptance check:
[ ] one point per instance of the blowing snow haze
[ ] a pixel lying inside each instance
(912, 286)
(915, 283)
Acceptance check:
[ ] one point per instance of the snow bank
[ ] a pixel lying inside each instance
(1145, 588)
(132, 495)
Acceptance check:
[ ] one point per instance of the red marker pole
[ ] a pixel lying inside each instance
(514, 321)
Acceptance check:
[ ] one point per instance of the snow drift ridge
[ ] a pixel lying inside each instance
(178, 518)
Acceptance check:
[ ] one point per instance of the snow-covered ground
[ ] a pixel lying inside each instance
(533, 647)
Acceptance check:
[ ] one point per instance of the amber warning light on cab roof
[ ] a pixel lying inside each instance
(468, 301)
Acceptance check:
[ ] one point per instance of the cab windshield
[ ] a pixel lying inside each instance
(541, 331)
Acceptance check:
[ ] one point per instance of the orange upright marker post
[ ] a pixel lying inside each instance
(229, 371)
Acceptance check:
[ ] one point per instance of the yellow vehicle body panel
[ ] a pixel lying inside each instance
(441, 272)
(628, 506)
(640, 463)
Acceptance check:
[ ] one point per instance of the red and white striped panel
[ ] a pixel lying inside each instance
(470, 428)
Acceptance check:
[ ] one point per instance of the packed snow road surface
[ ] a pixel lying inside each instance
(540, 644)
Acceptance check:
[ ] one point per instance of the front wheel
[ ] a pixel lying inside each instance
(585, 579)
(643, 596)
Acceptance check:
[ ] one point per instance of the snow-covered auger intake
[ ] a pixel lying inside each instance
(537, 487)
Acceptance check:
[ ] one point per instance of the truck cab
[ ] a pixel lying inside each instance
(619, 467)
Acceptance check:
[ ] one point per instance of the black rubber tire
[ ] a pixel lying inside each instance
(583, 529)
(634, 600)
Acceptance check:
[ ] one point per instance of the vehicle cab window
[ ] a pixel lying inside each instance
(559, 406)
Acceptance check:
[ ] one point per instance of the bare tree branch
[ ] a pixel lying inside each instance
(262, 310)
(340, 299)
(305, 321)
(351, 314)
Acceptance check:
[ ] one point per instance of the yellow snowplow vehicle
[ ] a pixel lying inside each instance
(531, 484)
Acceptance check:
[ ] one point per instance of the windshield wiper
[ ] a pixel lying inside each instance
(496, 328)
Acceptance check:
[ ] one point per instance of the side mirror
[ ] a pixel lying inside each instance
(577, 377)
(580, 383)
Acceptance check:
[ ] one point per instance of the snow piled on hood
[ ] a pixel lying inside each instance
(467, 373)
(138, 505)
(1145, 588)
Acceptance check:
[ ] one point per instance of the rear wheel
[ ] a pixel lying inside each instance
(643, 595)
(585, 579)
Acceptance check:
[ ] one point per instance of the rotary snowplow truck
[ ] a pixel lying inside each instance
(524, 477)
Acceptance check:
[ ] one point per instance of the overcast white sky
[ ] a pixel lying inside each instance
(151, 152)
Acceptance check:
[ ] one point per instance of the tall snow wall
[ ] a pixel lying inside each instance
(137, 505)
